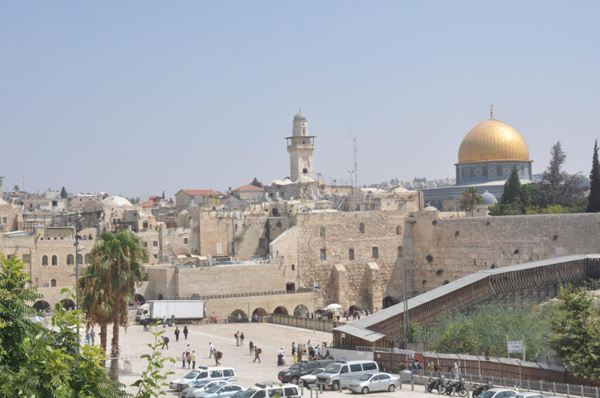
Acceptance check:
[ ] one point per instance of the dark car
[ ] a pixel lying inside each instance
(301, 368)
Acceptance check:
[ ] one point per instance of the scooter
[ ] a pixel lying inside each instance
(436, 384)
(457, 387)
(478, 389)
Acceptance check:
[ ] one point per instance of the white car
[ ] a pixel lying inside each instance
(223, 391)
(194, 386)
(310, 378)
(497, 393)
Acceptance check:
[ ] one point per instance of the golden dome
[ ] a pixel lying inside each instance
(493, 140)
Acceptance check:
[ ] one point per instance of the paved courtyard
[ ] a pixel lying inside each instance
(269, 337)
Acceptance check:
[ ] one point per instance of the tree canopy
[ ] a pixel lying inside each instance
(256, 183)
(470, 198)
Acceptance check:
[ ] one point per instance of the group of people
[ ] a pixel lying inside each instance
(213, 353)
(356, 314)
(178, 332)
(188, 358)
(313, 353)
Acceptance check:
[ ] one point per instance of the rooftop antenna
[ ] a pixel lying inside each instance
(491, 111)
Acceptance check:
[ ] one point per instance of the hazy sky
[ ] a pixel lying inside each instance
(138, 97)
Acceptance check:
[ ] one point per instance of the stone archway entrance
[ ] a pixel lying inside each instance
(281, 310)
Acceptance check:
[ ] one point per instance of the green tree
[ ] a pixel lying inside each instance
(117, 261)
(256, 183)
(511, 198)
(63, 193)
(470, 198)
(576, 333)
(16, 188)
(594, 196)
(40, 361)
(557, 186)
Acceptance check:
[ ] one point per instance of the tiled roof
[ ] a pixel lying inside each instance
(202, 192)
(248, 187)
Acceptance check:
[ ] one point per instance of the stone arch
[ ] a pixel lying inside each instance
(281, 310)
(301, 310)
(389, 301)
(41, 305)
(67, 303)
(70, 259)
(44, 260)
(259, 312)
(139, 299)
(54, 260)
(53, 283)
(355, 308)
(290, 287)
(361, 228)
(240, 312)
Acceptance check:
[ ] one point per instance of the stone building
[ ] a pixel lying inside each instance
(185, 198)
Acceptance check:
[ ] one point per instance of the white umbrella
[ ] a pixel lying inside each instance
(333, 307)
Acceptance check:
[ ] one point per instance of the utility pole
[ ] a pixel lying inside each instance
(77, 274)
(354, 171)
(406, 320)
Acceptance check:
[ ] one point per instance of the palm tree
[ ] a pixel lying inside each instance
(470, 198)
(109, 285)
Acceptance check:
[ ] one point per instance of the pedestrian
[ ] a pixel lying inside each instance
(88, 338)
(187, 349)
(183, 358)
(193, 359)
(177, 331)
(242, 339)
(239, 317)
(280, 357)
(185, 331)
(295, 356)
(456, 369)
(93, 337)
(257, 352)
(237, 338)
(293, 347)
(251, 345)
(188, 358)
(300, 351)
(145, 323)
(164, 321)
(218, 356)
(165, 342)
(212, 350)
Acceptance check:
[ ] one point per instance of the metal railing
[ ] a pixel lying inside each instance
(235, 295)
(302, 322)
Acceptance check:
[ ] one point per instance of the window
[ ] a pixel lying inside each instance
(322, 233)
(44, 260)
(4, 220)
(384, 376)
(145, 225)
(70, 259)
(260, 394)
(185, 241)
(54, 260)
(228, 372)
(361, 228)
(79, 259)
(53, 283)
(344, 369)
(291, 392)
(399, 251)
(145, 244)
(293, 267)
(27, 258)
(351, 254)
(356, 367)
(90, 237)
(155, 243)
(369, 366)
(323, 254)
(276, 391)
(216, 373)
(375, 252)
(87, 258)
(398, 230)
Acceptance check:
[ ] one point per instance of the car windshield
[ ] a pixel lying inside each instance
(316, 372)
(202, 383)
(487, 394)
(333, 368)
(214, 389)
(191, 375)
(247, 394)
(366, 377)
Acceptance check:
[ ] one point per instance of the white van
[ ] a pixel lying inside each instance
(270, 390)
(204, 373)
(341, 373)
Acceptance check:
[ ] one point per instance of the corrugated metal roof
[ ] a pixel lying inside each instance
(364, 334)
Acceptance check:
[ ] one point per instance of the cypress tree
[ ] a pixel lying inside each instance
(512, 190)
(594, 197)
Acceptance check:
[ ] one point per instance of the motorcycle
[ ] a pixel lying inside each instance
(478, 389)
(436, 384)
(457, 387)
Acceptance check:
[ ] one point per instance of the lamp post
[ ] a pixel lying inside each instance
(77, 275)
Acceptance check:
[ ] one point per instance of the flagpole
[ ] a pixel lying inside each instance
(313, 305)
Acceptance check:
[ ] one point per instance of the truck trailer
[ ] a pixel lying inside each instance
(181, 311)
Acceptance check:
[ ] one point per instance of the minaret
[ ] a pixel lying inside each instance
(301, 146)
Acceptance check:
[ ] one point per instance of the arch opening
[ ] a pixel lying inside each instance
(301, 311)
(139, 299)
(281, 310)
(355, 308)
(259, 312)
(42, 305)
(389, 301)
(67, 304)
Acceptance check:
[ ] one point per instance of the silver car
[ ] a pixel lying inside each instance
(374, 382)
(227, 390)
(201, 385)
(310, 378)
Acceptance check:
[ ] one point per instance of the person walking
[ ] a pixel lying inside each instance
(251, 345)
(242, 339)
(188, 358)
(166, 342)
(295, 356)
(177, 331)
(237, 338)
(93, 337)
(164, 321)
(185, 332)
(212, 350)
(280, 357)
(218, 356)
(293, 347)
(193, 358)
(187, 349)
(88, 338)
(257, 352)
(183, 359)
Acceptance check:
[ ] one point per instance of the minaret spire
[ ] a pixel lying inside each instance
(491, 111)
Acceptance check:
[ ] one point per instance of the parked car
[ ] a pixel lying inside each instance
(301, 368)
(269, 390)
(196, 385)
(374, 382)
(205, 373)
(219, 391)
(497, 393)
(311, 378)
(341, 374)
(527, 395)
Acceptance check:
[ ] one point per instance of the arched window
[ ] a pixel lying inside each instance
(361, 228)
(87, 258)
(54, 260)
(145, 225)
(79, 259)
(323, 231)
(398, 230)
(44, 260)
(53, 283)
(70, 259)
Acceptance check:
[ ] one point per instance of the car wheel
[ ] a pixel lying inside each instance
(392, 388)
(295, 380)
(335, 386)
(365, 390)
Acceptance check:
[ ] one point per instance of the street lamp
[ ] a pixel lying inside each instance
(77, 219)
